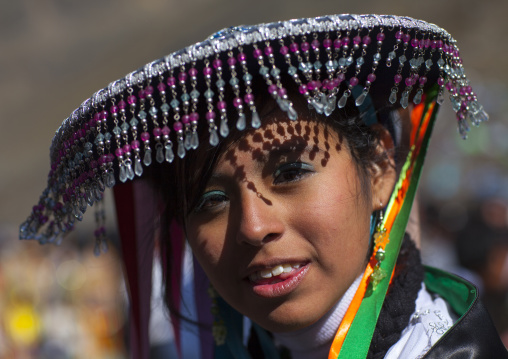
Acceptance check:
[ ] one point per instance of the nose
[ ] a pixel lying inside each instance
(260, 220)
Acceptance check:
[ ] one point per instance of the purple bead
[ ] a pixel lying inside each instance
(221, 105)
(469, 89)
(207, 71)
(135, 144)
(305, 46)
(231, 61)
(441, 81)
(194, 117)
(185, 119)
(272, 89)
(113, 109)
(337, 43)
(141, 94)
(217, 64)
(293, 47)
(406, 38)
(210, 116)
(353, 81)
(241, 57)
(145, 136)
(284, 50)
(171, 81)
(237, 101)
(415, 42)
(165, 131)
(315, 44)
(433, 44)
(248, 98)
(282, 92)
(132, 100)
(371, 78)
(182, 76)
(462, 91)
(193, 72)
(426, 43)
(345, 41)
(103, 160)
(311, 86)
(177, 126)
(157, 132)
(335, 83)
(409, 81)
(327, 43)
(93, 164)
(122, 105)
(366, 40)
(268, 50)
(257, 53)
(149, 90)
(440, 44)
(110, 157)
(381, 36)
(423, 80)
(126, 148)
(341, 77)
(302, 89)
(325, 83)
(161, 87)
(397, 78)
(357, 40)
(103, 115)
(119, 152)
(399, 34)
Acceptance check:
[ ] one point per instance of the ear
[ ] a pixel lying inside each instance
(383, 170)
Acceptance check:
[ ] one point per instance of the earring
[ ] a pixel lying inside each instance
(219, 331)
(380, 241)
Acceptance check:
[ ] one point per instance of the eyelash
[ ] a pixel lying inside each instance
(296, 169)
(205, 202)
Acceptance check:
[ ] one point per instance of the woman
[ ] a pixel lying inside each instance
(287, 155)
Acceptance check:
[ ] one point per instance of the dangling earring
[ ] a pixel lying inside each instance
(219, 331)
(380, 241)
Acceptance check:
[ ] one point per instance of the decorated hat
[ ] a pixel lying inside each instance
(195, 96)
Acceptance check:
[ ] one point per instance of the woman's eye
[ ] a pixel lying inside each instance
(291, 172)
(210, 200)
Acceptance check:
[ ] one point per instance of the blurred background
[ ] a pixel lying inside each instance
(56, 53)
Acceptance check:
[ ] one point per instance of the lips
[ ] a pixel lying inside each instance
(274, 273)
(278, 280)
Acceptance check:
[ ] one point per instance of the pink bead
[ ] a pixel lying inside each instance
(366, 40)
(353, 81)
(415, 42)
(194, 117)
(426, 43)
(293, 47)
(409, 81)
(157, 132)
(221, 105)
(440, 44)
(399, 34)
(357, 40)
(171, 81)
(161, 87)
(469, 89)
(440, 81)
(237, 101)
(423, 80)
(103, 115)
(257, 53)
(315, 44)
(406, 38)
(380, 36)
(110, 157)
(302, 89)
(145, 136)
(126, 148)
(207, 71)
(135, 144)
(165, 131)
(282, 92)
(177, 126)
(311, 86)
(210, 115)
(268, 50)
(185, 119)
(337, 43)
(119, 152)
(284, 50)
(462, 91)
(341, 77)
(433, 44)
(241, 57)
(327, 43)
(113, 109)
(398, 78)
(345, 41)
(217, 64)
(248, 98)
(371, 78)
(305, 46)
(182, 76)
(231, 61)
(122, 105)
(193, 72)
(149, 90)
(272, 89)
(141, 94)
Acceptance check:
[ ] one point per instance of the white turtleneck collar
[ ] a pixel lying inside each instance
(315, 340)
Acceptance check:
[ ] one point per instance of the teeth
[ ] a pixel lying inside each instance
(274, 272)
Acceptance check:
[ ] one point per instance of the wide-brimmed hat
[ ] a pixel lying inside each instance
(160, 112)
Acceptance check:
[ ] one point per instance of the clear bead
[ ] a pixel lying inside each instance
(185, 97)
(220, 83)
(418, 97)
(159, 154)
(330, 106)
(224, 128)
(129, 171)
(360, 61)
(109, 179)
(392, 55)
(209, 94)
(138, 168)
(275, 72)
(147, 159)
(82, 204)
(194, 94)
(255, 121)
(342, 62)
(360, 99)
(292, 114)
(283, 104)
(318, 65)
(343, 100)
(123, 174)
(455, 103)
(142, 114)
(463, 128)
(181, 149)
(174, 103)
(292, 70)
(404, 101)
(165, 107)
(330, 65)
(402, 59)
(264, 70)
(234, 81)
(318, 106)
(153, 111)
(89, 197)
(187, 141)
(248, 77)
(241, 123)
(194, 140)
(170, 156)
(349, 60)
(214, 137)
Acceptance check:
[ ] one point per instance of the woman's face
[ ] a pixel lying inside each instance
(282, 228)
